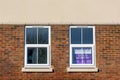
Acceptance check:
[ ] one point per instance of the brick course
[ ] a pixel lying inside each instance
(12, 54)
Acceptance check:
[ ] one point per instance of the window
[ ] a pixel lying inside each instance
(37, 46)
(82, 47)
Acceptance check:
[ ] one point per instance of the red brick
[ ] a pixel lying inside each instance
(12, 54)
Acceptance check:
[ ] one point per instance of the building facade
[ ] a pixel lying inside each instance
(60, 47)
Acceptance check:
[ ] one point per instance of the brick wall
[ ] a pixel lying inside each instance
(12, 54)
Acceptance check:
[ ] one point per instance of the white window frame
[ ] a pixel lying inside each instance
(93, 65)
(48, 65)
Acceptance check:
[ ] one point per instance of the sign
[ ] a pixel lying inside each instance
(82, 55)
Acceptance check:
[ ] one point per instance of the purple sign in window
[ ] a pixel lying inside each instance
(82, 55)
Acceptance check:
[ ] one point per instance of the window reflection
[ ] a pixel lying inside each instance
(32, 55)
(43, 36)
(42, 55)
(31, 35)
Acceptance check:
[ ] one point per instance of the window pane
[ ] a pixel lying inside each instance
(75, 35)
(87, 36)
(32, 55)
(82, 55)
(43, 35)
(42, 55)
(31, 35)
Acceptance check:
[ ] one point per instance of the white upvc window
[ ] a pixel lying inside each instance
(37, 47)
(82, 47)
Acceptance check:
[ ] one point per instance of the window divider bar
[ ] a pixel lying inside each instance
(37, 45)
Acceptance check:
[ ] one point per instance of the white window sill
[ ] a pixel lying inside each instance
(82, 69)
(37, 69)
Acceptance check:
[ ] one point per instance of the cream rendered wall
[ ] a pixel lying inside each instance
(59, 11)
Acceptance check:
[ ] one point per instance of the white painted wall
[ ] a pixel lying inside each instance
(59, 11)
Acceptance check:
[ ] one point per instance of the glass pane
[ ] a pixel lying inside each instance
(31, 35)
(82, 55)
(32, 55)
(75, 35)
(43, 35)
(42, 55)
(87, 35)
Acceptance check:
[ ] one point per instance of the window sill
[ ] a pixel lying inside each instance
(37, 69)
(82, 69)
